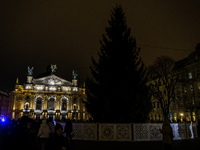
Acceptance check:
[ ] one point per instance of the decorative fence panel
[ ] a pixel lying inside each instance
(130, 132)
(147, 132)
(84, 131)
(115, 132)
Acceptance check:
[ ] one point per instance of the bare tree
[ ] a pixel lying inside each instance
(163, 80)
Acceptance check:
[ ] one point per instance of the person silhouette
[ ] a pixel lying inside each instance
(68, 129)
(57, 141)
(167, 133)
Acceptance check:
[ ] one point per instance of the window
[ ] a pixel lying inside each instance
(51, 104)
(74, 106)
(26, 105)
(64, 104)
(191, 87)
(193, 116)
(198, 84)
(52, 88)
(190, 75)
(46, 88)
(39, 103)
(184, 89)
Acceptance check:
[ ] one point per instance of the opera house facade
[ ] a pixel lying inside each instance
(49, 97)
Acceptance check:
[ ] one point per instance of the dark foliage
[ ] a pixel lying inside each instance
(117, 90)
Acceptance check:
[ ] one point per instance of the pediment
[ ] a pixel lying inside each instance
(52, 80)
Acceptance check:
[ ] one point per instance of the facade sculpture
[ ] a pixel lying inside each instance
(30, 71)
(48, 96)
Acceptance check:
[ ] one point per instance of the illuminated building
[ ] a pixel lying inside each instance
(186, 108)
(188, 89)
(49, 96)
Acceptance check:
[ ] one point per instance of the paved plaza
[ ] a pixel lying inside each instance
(192, 144)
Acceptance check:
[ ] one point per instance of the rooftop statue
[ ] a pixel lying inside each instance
(74, 74)
(30, 71)
(53, 68)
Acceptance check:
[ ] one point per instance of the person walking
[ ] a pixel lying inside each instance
(57, 141)
(51, 127)
(68, 129)
(43, 135)
(167, 133)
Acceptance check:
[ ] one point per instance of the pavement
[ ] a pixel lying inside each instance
(193, 144)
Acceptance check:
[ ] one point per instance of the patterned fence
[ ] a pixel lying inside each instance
(130, 132)
(147, 132)
(115, 132)
(84, 131)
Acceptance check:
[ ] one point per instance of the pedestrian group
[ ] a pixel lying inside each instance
(26, 133)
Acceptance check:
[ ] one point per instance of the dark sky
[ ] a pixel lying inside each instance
(36, 33)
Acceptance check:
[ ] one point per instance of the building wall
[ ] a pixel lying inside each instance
(187, 106)
(25, 103)
(56, 104)
(4, 103)
(189, 91)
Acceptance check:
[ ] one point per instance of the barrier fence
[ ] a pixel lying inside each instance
(130, 132)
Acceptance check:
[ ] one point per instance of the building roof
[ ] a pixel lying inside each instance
(52, 80)
(192, 58)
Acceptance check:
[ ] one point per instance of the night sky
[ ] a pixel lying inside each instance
(36, 33)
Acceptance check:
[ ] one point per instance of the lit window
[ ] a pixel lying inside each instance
(52, 88)
(46, 88)
(51, 103)
(39, 103)
(193, 116)
(64, 104)
(26, 105)
(66, 89)
(184, 89)
(190, 75)
(40, 87)
(75, 89)
(74, 106)
(28, 87)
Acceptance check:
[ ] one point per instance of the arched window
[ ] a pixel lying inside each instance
(74, 106)
(39, 103)
(51, 102)
(26, 105)
(64, 105)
